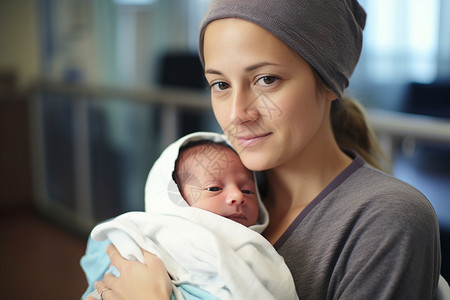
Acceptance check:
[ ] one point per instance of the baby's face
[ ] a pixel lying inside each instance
(222, 185)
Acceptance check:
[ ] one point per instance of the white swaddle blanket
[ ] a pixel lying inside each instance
(211, 252)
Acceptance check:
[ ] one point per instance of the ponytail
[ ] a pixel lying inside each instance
(351, 131)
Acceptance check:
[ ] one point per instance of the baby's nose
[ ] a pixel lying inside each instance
(235, 197)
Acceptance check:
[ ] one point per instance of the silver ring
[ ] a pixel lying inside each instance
(101, 294)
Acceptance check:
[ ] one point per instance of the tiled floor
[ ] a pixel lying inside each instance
(38, 259)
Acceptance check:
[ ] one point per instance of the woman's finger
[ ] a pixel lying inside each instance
(115, 257)
(107, 294)
(109, 281)
(157, 266)
(103, 290)
(150, 258)
(154, 262)
(99, 286)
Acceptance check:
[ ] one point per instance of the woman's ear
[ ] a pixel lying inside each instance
(330, 96)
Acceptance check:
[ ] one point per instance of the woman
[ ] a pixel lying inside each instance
(277, 71)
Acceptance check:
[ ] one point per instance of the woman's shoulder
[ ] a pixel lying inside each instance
(369, 183)
(375, 182)
(374, 190)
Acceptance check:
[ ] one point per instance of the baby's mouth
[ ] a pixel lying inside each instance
(237, 217)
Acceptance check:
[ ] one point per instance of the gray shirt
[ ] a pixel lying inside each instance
(366, 236)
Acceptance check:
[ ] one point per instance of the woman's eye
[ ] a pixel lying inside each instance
(220, 86)
(213, 189)
(267, 80)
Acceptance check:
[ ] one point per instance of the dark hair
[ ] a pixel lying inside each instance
(183, 152)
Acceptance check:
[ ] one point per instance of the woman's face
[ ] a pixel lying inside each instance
(264, 95)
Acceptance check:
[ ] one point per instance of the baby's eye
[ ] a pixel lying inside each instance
(220, 86)
(249, 192)
(213, 189)
(267, 80)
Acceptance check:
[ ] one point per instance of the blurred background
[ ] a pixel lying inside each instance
(91, 91)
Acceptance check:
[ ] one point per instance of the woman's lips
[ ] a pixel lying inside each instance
(251, 140)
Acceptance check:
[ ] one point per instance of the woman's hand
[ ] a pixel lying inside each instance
(148, 280)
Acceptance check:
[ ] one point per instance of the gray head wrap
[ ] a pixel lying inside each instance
(326, 33)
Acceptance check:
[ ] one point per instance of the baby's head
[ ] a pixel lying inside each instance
(211, 176)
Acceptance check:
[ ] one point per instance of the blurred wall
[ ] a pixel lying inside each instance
(19, 67)
(19, 39)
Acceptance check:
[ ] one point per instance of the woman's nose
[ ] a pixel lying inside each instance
(243, 108)
(235, 196)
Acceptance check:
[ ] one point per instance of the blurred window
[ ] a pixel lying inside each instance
(134, 2)
(401, 40)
